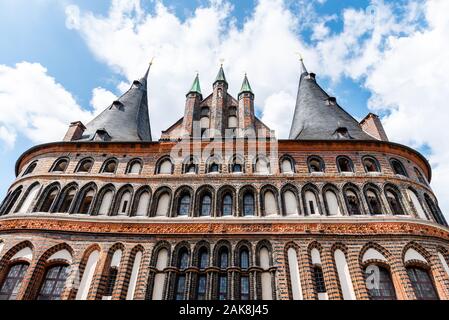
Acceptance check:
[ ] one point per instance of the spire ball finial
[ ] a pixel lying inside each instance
(222, 61)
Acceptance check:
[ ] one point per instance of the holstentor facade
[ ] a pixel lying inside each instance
(220, 209)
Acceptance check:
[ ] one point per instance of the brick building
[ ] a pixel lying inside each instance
(218, 208)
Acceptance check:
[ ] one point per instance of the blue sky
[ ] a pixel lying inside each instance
(79, 46)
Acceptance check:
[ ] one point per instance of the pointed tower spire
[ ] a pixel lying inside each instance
(196, 88)
(318, 116)
(246, 87)
(221, 75)
(126, 119)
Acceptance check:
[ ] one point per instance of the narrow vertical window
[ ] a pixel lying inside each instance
(227, 205)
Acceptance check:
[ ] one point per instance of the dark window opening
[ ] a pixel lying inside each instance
(382, 288)
(345, 165)
(422, 284)
(54, 282)
(320, 286)
(248, 205)
(206, 206)
(184, 205)
(110, 283)
(398, 168)
(60, 166)
(12, 282)
(227, 205)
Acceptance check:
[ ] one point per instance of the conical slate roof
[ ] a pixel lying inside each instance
(196, 88)
(318, 116)
(126, 119)
(246, 87)
(221, 75)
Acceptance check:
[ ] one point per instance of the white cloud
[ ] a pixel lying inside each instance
(33, 104)
(384, 46)
(101, 98)
(264, 47)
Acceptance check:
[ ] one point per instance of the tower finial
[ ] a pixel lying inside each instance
(301, 60)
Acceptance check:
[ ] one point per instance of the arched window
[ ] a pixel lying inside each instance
(203, 263)
(420, 176)
(320, 286)
(345, 164)
(86, 202)
(49, 200)
(206, 206)
(315, 164)
(109, 166)
(54, 282)
(262, 166)
(125, 202)
(13, 280)
(106, 202)
(344, 275)
(311, 203)
(370, 164)
(353, 203)
(287, 165)
(422, 283)
(29, 198)
(134, 274)
(227, 205)
(184, 205)
(85, 165)
(190, 167)
(332, 204)
(87, 276)
(290, 203)
(232, 118)
(223, 258)
(113, 273)
(382, 287)
(10, 201)
(69, 195)
(134, 167)
(373, 202)
(266, 283)
(183, 263)
(237, 164)
(204, 120)
(295, 278)
(244, 277)
(143, 204)
(416, 204)
(248, 204)
(398, 167)
(159, 278)
(270, 203)
(60, 165)
(318, 277)
(165, 167)
(163, 205)
(30, 168)
(436, 213)
(394, 201)
(214, 168)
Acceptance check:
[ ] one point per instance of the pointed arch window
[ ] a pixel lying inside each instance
(373, 202)
(332, 203)
(422, 283)
(394, 201)
(49, 200)
(54, 282)
(165, 167)
(13, 280)
(311, 203)
(398, 167)
(420, 176)
(382, 288)
(86, 202)
(68, 199)
(30, 168)
(353, 203)
(25, 207)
